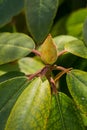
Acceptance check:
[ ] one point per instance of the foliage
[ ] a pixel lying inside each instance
(43, 65)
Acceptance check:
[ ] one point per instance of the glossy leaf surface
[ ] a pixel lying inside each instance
(63, 114)
(61, 40)
(77, 84)
(77, 48)
(14, 46)
(34, 107)
(40, 15)
(9, 8)
(29, 65)
(9, 91)
(26, 65)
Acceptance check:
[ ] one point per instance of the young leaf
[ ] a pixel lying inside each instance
(31, 110)
(77, 47)
(48, 51)
(9, 92)
(40, 15)
(77, 84)
(63, 114)
(14, 46)
(8, 10)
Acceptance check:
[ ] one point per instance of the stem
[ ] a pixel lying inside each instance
(62, 52)
(36, 52)
(55, 67)
(40, 73)
(53, 85)
(61, 73)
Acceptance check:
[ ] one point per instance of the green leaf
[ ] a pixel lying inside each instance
(61, 40)
(9, 92)
(85, 31)
(40, 15)
(77, 47)
(75, 22)
(9, 67)
(63, 114)
(77, 84)
(26, 65)
(10, 75)
(9, 8)
(31, 110)
(84, 117)
(29, 65)
(14, 46)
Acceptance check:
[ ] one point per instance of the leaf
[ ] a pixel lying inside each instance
(10, 75)
(63, 114)
(77, 48)
(75, 22)
(9, 92)
(9, 67)
(85, 32)
(26, 65)
(14, 46)
(48, 51)
(29, 65)
(61, 40)
(84, 117)
(77, 85)
(34, 107)
(8, 10)
(39, 16)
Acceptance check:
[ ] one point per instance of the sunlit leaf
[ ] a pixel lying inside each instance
(30, 65)
(61, 40)
(26, 65)
(77, 84)
(32, 107)
(77, 48)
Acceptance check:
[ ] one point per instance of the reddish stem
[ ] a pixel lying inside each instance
(62, 52)
(36, 52)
